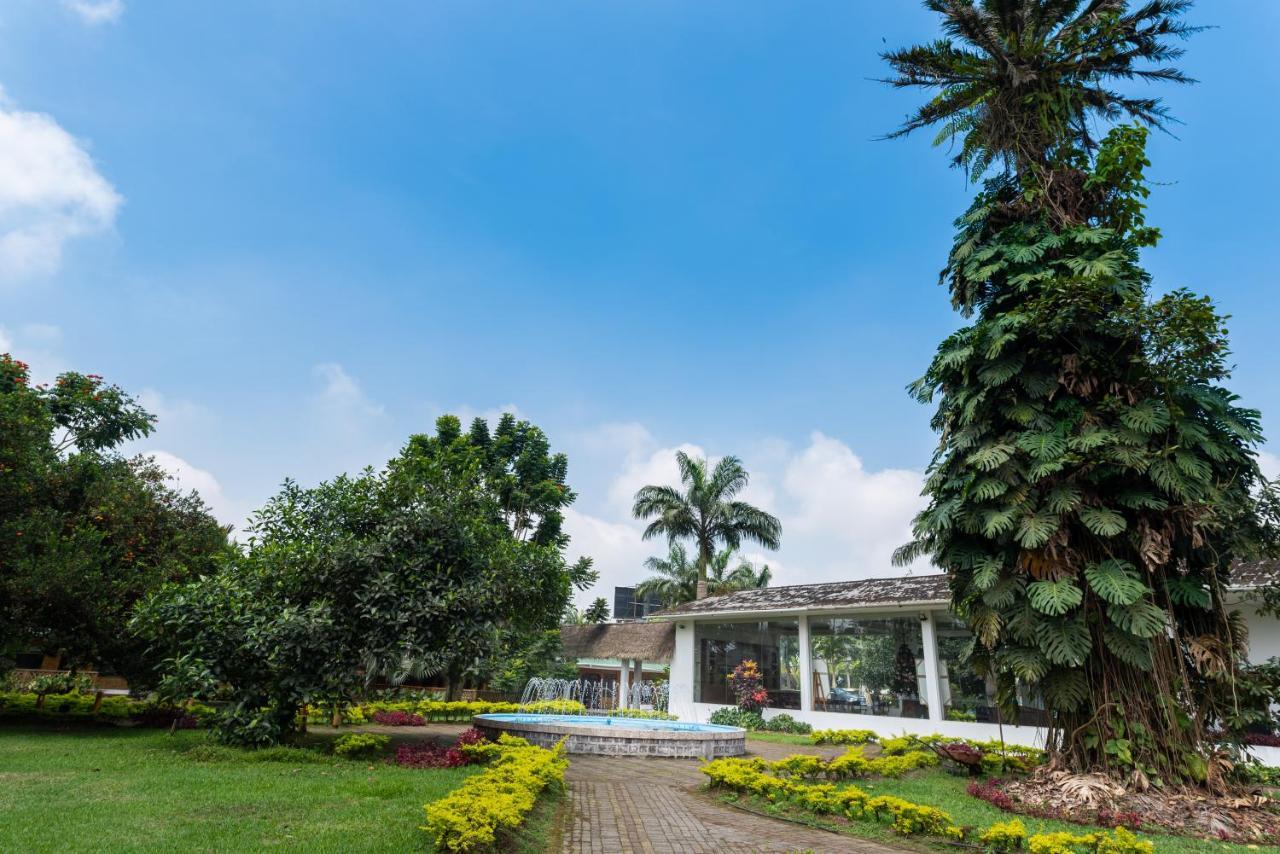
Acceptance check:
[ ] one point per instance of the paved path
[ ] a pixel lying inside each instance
(634, 805)
(653, 806)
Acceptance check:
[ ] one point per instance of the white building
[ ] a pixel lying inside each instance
(883, 654)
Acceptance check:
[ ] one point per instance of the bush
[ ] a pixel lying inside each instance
(360, 744)
(737, 717)
(398, 719)
(54, 683)
(786, 723)
(645, 714)
(498, 799)
(1004, 836)
(843, 736)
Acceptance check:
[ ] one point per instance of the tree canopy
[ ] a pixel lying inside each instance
(84, 532)
(446, 563)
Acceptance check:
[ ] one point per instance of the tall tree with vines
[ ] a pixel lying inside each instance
(1094, 479)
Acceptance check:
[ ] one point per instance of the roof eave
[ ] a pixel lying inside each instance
(803, 609)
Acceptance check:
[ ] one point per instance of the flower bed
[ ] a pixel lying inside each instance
(431, 755)
(754, 777)
(497, 800)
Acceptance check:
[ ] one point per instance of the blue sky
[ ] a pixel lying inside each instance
(303, 229)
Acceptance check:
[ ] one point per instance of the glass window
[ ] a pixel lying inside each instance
(868, 666)
(966, 696)
(773, 645)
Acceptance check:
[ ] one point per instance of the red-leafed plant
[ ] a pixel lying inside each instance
(398, 719)
(748, 686)
(432, 755)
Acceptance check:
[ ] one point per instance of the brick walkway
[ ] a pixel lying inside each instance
(634, 805)
(652, 806)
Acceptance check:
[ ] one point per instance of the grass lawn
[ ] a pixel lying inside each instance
(134, 790)
(937, 788)
(780, 738)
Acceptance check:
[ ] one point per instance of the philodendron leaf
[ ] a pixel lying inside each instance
(1115, 582)
(1054, 598)
(1102, 521)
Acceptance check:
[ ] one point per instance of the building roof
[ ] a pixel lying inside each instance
(887, 592)
(1253, 574)
(645, 641)
(865, 593)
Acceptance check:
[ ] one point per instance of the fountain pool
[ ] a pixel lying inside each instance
(609, 736)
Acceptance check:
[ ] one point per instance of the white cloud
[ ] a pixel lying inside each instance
(341, 396)
(188, 477)
(172, 414)
(840, 520)
(96, 12)
(50, 193)
(1270, 465)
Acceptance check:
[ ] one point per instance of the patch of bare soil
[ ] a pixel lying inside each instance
(1245, 816)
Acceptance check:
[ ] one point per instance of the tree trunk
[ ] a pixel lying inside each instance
(703, 559)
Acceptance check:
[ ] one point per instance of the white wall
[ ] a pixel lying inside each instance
(1264, 643)
(1264, 634)
(680, 689)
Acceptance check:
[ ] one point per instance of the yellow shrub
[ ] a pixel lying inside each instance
(1004, 836)
(498, 799)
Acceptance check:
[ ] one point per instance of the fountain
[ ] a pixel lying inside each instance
(601, 733)
(598, 696)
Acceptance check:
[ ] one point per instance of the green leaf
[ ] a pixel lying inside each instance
(1027, 664)
(1091, 439)
(1035, 531)
(1065, 641)
(1064, 690)
(1142, 619)
(1102, 521)
(1146, 416)
(1115, 581)
(1131, 650)
(986, 574)
(1043, 446)
(987, 488)
(1001, 371)
(1185, 591)
(1054, 597)
(997, 522)
(991, 457)
(1063, 498)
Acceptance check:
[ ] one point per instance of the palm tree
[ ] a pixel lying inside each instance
(675, 577)
(705, 511)
(1018, 79)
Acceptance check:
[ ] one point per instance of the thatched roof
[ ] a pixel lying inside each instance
(645, 641)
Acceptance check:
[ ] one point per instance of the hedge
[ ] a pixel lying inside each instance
(499, 798)
(906, 818)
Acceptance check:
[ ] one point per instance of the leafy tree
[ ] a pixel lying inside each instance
(1094, 480)
(675, 578)
(84, 532)
(597, 612)
(420, 570)
(706, 512)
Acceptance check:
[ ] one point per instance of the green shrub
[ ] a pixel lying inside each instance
(843, 736)
(498, 799)
(737, 717)
(643, 714)
(786, 723)
(355, 745)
